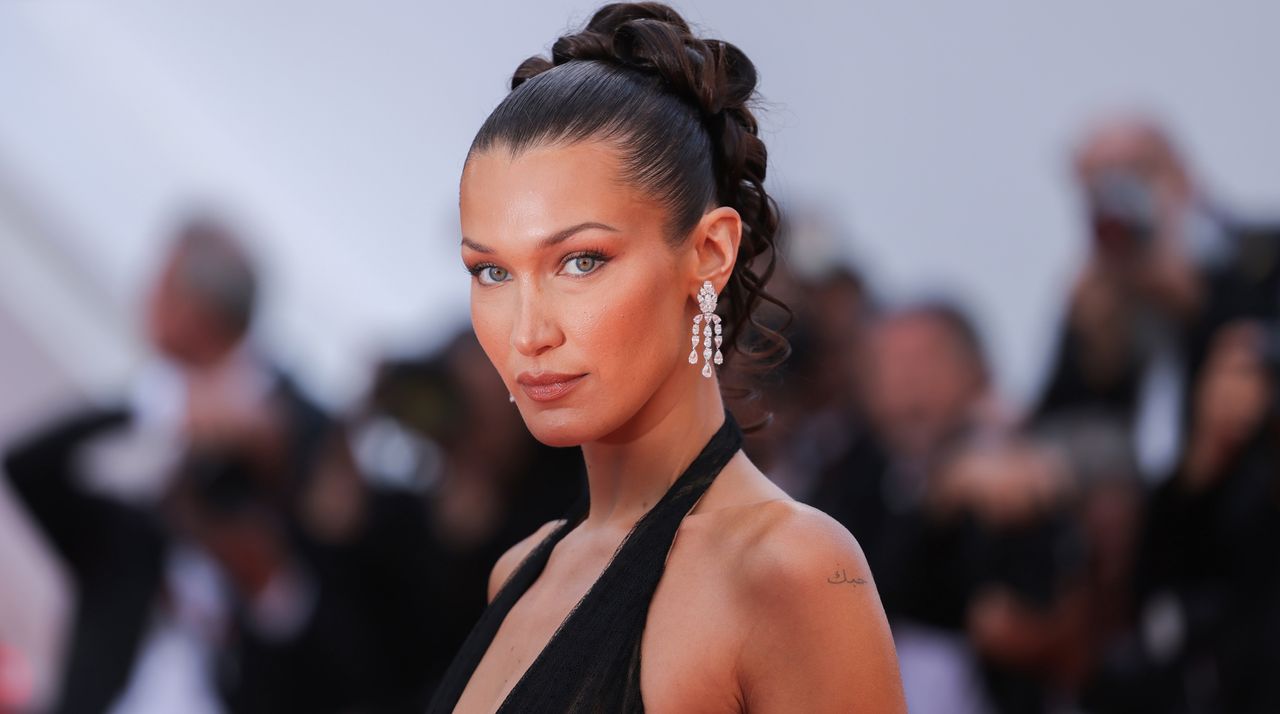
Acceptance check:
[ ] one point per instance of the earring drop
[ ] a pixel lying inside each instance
(710, 324)
(511, 397)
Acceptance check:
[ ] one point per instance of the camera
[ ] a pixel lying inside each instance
(1122, 208)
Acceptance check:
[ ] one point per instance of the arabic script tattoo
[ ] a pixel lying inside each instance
(840, 577)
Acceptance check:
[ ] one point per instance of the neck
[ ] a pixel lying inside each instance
(631, 468)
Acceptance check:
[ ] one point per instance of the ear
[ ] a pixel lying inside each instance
(715, 247)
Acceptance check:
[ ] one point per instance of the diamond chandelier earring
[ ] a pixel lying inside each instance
(710, 323)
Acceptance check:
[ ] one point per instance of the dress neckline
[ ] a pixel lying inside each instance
(708, 463)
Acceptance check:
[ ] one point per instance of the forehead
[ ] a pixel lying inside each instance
(543, 189)
(920, 333)
(909, 328)
(1133, 146)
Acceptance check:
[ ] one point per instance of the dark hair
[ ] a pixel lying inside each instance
(676, 107)
(958, 324)
(212, 264)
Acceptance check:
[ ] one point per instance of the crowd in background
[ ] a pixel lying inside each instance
(1111, 548)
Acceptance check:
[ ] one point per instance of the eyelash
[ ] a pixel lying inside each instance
(478, 268)
(595, 255)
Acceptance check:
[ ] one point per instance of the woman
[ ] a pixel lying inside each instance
(608, 204)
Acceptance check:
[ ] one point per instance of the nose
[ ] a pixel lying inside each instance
(535, 329)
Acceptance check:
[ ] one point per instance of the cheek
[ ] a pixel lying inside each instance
(628, 331)
(491, 321)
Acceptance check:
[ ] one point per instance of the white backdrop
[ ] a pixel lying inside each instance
(934, 134)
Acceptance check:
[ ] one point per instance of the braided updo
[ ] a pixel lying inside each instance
(676, 106)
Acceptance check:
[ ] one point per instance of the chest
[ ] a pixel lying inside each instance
(687, 649)
(691, 640)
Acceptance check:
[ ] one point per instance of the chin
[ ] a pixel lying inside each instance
(562, 426)
(571, 425)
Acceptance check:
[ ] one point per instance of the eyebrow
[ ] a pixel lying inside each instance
(553, 239)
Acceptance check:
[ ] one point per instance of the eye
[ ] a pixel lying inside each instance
(490, 274)
(584, 263)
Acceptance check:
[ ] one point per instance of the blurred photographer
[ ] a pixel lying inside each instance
(1165, 268)
(1208, 636)
(208, 416)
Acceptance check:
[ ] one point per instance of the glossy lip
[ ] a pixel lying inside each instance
(547, 386)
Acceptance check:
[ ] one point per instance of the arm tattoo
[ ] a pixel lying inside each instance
(840, 578)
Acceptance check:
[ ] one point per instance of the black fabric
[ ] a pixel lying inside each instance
(592, 662)
(114, 553)
(1244, 287)
(547, 484)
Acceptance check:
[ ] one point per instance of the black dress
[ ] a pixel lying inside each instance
(592, 661)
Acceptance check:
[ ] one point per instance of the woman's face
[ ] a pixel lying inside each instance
(577, 297)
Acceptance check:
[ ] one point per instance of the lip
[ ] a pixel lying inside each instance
(547, 386)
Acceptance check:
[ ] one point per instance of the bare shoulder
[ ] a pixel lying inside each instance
(516, 554)
(792, 546)
(817, 638)
(775, 542)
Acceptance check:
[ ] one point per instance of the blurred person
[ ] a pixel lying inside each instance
(818, 411)
(33, 610)
(925, 379)
(317, 563)
(1167, 266)
(1106, 497)
(929, 382)
(337, 604)
(112, 549)
(610, 202)
(1206, 626)
(928, 390)
(95, 480)
(962, 516)
(1023, 565)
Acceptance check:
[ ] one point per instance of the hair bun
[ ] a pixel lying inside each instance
(651, 38)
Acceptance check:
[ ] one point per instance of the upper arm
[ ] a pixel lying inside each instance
(516, 554)
(818, 639)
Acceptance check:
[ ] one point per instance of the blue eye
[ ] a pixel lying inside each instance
(584, 264)
(490, 274)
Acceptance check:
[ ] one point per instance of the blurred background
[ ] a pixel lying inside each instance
(1034, 255)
